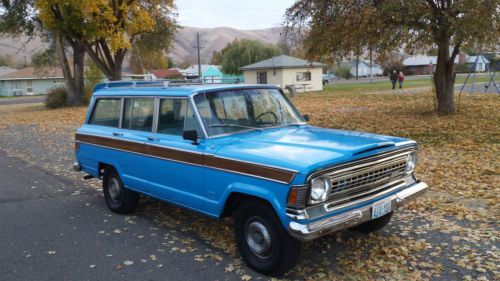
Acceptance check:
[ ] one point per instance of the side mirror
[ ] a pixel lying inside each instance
(306, 117)
(191, 135)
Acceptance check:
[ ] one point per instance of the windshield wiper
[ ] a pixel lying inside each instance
(236, 126)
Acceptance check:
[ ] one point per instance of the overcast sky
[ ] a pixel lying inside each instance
(240, 14)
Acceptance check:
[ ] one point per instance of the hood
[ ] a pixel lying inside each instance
(303, 148)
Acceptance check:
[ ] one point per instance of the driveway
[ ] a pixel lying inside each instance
(22, 100)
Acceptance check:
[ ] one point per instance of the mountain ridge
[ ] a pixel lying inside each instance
(183, 46)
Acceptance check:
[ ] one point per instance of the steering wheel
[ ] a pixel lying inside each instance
(268, 112)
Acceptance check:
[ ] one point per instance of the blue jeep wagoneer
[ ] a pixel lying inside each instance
(243, 151)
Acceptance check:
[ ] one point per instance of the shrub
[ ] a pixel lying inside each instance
(344, 72)
(56, 98)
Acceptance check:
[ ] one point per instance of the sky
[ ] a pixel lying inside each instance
(239, 14)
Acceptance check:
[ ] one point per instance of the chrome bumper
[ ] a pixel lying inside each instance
(307, 232)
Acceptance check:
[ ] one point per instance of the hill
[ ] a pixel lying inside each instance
(183, 49)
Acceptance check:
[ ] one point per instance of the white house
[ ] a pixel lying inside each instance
(480, 61)
(363, 68)
(285, 70)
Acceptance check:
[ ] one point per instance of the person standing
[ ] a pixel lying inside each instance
(394, 77)
(401, 78)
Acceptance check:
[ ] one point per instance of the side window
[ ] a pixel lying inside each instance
(106, 113)
(176, 116)
(138, 114)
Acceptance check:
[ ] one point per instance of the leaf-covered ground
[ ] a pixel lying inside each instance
(450, 234)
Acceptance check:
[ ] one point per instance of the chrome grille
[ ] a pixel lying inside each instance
(366, 176)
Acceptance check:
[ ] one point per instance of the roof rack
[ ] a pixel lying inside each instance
(160, 83)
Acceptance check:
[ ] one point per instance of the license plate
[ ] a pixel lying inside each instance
(381, 208)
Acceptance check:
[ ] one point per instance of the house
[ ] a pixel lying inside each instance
(419, 65)
(285, 70)
(363, 68)
(171, 73)
(28, 81)
(422, 64)
(209, 73)
(480, 61)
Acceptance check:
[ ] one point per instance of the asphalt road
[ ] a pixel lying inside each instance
(22, 100)
(52, 229)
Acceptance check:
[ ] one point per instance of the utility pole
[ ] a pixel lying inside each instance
(198, 47)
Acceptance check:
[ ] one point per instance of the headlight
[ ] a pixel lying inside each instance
(320, 188)
(411, 161)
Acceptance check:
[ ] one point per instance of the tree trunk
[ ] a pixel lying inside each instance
(118, 62)
(444, 79)
(68, 78)
(78, 73)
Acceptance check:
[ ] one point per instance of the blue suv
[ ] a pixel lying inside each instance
(243, 151)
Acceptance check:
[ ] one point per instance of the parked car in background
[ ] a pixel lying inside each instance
(243, 151)
(328, 78)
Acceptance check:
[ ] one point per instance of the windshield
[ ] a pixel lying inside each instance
(245, 109)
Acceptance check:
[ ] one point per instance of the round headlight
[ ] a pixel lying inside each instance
(319, 188)
(410, 162)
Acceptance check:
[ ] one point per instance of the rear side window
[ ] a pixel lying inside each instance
(138, 114)
(106, 113)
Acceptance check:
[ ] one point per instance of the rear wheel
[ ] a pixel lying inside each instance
(118, 198)
(262, 241)
(374, 225)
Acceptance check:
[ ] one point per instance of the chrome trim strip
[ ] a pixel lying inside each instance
(307, 232)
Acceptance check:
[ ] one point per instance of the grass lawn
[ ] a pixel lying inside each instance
(384, 85)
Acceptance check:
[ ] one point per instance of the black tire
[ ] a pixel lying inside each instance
(374, 225)
(283, 251)
(118, 198)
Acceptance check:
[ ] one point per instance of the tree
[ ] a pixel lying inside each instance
(243, 52)
(107, 29)
(21, 17)
(340, 26)
(6, 60)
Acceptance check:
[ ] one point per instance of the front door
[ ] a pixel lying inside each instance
(176, 171)
(262, 77)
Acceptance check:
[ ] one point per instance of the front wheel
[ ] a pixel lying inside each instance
(262, 241)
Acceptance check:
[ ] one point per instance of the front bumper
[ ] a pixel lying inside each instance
(307, 232)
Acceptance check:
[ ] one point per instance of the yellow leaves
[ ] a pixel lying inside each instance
(100, 19)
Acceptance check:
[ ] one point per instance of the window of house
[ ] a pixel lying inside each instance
(303, 76)
(262, 77)
(175, 117)
(106, 113)
(138, 114)
(29, 87)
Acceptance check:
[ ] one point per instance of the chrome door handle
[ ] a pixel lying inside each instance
(117, 134)
(153, 139)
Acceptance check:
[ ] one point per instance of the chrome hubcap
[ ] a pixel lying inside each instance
(114, 189)
(258, 239)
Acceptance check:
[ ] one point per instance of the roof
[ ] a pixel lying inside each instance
(361, 63)
(5, 69)
(162, 73)
(420, 60)
(31, 73)
(472, 59)
(281, 62)
(183, 90)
